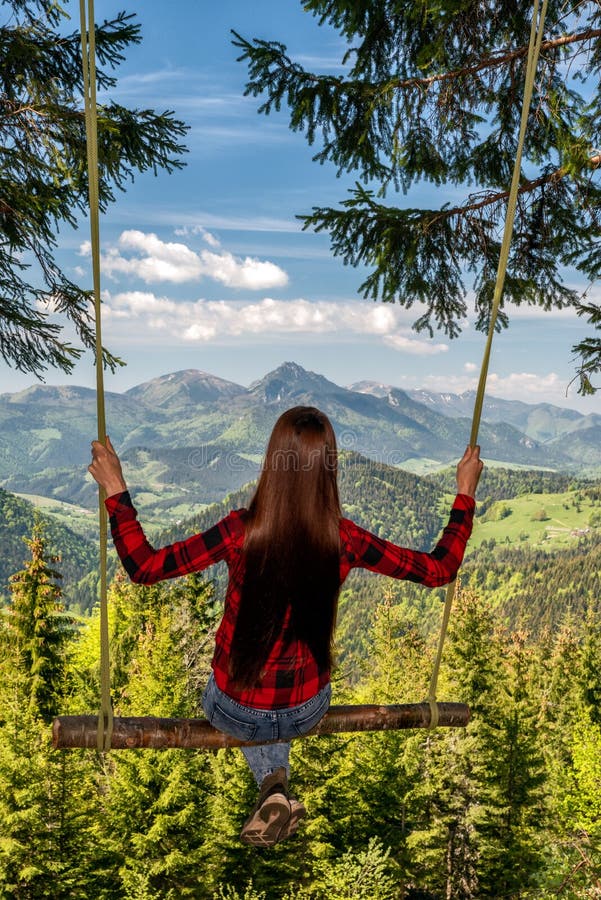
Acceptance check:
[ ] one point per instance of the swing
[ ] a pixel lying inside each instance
(106, 732)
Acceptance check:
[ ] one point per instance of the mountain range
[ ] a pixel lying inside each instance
(541, 421)
(191, 437)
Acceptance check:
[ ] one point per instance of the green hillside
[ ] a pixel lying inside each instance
(388, 501)
(80, 519)
(410, 510)
(525, 520)
(549, 520)
(535, 588)
(78, 555)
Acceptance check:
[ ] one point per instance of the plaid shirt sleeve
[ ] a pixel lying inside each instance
(144, 564)
(433, 569)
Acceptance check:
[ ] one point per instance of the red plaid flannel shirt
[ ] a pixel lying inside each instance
(291, 675)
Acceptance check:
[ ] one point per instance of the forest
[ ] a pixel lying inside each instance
(508, 807)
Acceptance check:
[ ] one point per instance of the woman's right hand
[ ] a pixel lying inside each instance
(469, 469)
(106, 468)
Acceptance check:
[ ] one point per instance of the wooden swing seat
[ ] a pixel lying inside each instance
(148, 732)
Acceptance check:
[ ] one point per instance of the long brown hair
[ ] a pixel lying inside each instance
(291, 547)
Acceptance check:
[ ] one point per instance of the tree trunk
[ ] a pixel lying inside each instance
(149, 732)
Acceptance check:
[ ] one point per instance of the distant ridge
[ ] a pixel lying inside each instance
(159, 426)
(542, 421)
(185, 388)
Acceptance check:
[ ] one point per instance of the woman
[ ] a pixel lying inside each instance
(287, 555)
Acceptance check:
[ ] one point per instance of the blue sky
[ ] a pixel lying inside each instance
(209, 269)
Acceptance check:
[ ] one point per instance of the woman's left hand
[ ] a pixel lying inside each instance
(106, 468)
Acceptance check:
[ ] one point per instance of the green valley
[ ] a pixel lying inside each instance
(545, 520)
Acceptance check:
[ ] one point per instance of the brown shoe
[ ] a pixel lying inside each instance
(271, 813)
(297, 812)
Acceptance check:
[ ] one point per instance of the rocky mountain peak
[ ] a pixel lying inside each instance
(291, 383)
(184, 388)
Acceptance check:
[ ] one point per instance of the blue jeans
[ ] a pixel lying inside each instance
(249, 724)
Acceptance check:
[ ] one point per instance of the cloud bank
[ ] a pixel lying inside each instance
(529, 387)
(205, 320)
(147, 257)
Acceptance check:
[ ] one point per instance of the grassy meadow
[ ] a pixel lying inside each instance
(549, 520)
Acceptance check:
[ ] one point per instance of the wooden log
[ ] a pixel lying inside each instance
(149, 732)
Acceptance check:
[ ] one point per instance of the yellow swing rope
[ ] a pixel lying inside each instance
(88, 55)
(536, 35)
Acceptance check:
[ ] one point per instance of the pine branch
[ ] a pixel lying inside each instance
(496, 60)
(589, 349)
(422, 256)
(275, 53)
(525, 188)
(429, 96)
(43, 172)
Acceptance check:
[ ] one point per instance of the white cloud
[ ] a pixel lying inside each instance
(524, 385)
(525, 311)
(193, 230)
(529, 387)
(204, 320)
(412, 345)
(48, 303)
(248, 273)
(210, 239)
(157, 261)
(470, 367)
(444, 383)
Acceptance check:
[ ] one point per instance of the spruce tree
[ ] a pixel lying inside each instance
(513, 797)
(38, 626)
(364, 875)
(590, 676)
(578, 801)
(381, 771)
(573, 752)
(46, 798)
(480, 792)
(432, 93)
(48, 803)
(447, 794)
(151, 837)
(43, 170)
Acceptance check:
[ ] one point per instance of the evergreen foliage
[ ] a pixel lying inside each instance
(44, 796)
(507, 807)
(43, 171)
(36, 627)
(434, 93)
(46, 843)
(78, 555)
(536, 588)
